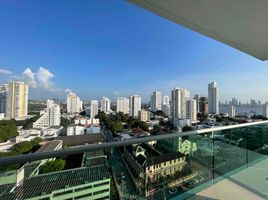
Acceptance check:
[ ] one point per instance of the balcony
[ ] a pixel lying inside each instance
(227, 162)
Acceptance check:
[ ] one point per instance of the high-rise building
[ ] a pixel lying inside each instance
(166, 100)
(196, 98)
(213, 98)
(74, 104)
(203, 104)
(191, 113)
(156, 101)
(16, 100)
(122, 105)
(166, 109)
(134, 105)
(178, 103)
(3, 94)
(265, 110)
(231, 111)
(105, 105)
(51, 116)
(144, 115)
(94, 108)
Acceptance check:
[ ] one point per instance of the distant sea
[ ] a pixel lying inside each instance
(244, 110)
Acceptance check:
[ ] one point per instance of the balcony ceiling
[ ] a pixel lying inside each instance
(242, 24)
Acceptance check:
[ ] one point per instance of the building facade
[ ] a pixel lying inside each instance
(122, 105)
(144, 116)
(178, 103)
(134, 105)
(16, 105)
(191, 111)
(94, 108)
(156, 101)
(74, 104)
(231, 111)
(213, 98)
(3, 95)
(105, 105)
(51, 116)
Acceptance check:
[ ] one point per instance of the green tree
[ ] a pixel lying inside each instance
(143, 125)
(23, 147)
(52, 166)
(8, 130)
(64, 122)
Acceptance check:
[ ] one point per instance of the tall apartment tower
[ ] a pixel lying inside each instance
(265, 110)
(94, 108)
(16, 100)
(156, 101)
(197, 97)
(3, 95)
(74, 104)
(166, 106)
(122, 105)
(191, 110)
(213, 98)
(134, 105)
(166, 100)
(105, 105)
(178, 103)
(231, 111)
(203, 104)
(51, 116)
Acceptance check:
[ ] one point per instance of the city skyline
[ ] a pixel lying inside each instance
(160, 56)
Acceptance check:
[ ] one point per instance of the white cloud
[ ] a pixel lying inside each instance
(5, 72)
(43, 79)
(68, 90)
(29, 78)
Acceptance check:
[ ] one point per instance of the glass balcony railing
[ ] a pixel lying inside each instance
(231, 160)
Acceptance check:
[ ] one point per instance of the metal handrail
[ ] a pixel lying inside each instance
(95, 147)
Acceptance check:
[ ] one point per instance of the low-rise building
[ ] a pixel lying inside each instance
(75, 130)
(85, 121)
(91, 181)
(144, 115)
(52, 132)
(148, 166)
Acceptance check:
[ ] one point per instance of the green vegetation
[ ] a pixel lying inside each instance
(52, 166)
(20, 148)
(119, 122)
(26, 147)
(64, 122)
(8, 130)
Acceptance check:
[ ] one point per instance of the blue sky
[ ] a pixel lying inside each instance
(113, 48)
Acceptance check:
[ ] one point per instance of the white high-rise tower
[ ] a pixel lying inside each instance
(122, 105)
(213, 98)
(105, 105)
(94, 108)
(191, 110)
(74, 104)
(51, 116)
(178, 103)
(156, 101)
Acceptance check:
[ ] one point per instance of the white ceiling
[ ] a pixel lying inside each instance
(242, 24)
